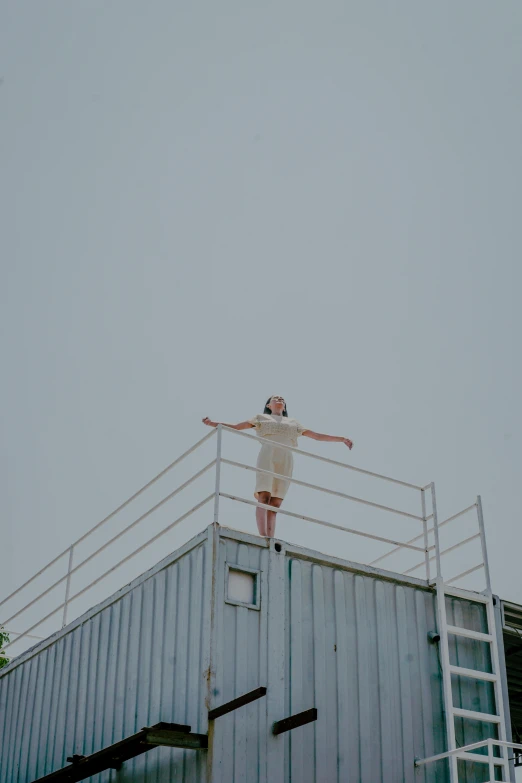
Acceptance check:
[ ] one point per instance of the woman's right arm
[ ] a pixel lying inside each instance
(243, 425)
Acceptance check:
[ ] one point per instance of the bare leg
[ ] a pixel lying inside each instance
(271, 517)
(261, 513)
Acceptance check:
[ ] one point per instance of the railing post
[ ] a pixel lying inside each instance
(483, 543)
(491, 761)
(436, 530)
(425, 527)
(67, 586)
(218, 473)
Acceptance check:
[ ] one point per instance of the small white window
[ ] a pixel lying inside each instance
(242, 587)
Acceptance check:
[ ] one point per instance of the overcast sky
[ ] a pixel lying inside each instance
(206, 203)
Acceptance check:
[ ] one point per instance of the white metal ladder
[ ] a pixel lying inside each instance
(486, 598)
(452, 712)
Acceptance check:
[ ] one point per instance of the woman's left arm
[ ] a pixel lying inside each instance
(330, 438)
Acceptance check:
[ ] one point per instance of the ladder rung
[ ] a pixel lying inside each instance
(481, 758)
(481, 637)
(488, 718)
(475, 673)
(469, 595)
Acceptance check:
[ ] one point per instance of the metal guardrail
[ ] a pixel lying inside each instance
(439, 553)
(465, 753)
(425, 546)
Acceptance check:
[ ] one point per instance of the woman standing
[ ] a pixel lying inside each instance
(274, 426)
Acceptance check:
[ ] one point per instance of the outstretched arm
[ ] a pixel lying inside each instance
(330, 438)
(243, 425)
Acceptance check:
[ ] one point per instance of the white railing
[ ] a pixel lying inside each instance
(439, 553)
(465, 753)
(420, 543)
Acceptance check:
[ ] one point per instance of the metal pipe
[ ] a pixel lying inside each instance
(67, 586)
(112, 514)
(465, 573)
(321, 489)
(483, 543)
(436, 530)
(143, 546)
(38, 597)
(113, 539)
(425, 533)
(28, 632)
(18, 589)
(320, 522)
(466, 748)
(445, 552)
(113, 568)
(445, 665)
(218, 472)
(19, 633)
(325, 459)
(430, 530)
(146, 486)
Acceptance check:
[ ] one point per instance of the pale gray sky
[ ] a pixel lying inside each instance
(206, 203)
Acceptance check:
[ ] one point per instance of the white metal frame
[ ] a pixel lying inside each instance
(465, 754)
(241, 569)
(72, 568)
(426, 542)
(498, 718)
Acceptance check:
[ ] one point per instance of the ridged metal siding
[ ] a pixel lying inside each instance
(240, 737)
(138, 661)
(348, 640)
(357, 650)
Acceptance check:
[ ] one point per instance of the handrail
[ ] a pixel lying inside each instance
(319, 521)
(111, 515)
(113, 568)
(323, 459)
(219, 460)
(322, 489)
(467, 748)
(445, 551)
(430, 530)
(20, 633)
(112, 540)
(464, 573)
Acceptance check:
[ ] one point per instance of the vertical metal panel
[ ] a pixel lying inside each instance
(137, 661)
(357, 649)
(240, 737)
(351, 643)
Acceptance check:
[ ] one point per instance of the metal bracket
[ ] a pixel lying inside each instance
(217, 712)
(287, 724)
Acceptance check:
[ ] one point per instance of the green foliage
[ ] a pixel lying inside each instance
(4, 639)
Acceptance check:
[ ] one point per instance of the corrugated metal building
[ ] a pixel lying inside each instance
(228, 613)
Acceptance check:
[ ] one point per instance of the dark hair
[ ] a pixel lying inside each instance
(267, 409)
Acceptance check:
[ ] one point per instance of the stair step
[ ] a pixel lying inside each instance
(484, 716)
(481, 637)
(475, 673)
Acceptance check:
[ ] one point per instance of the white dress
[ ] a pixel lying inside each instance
(275, 429)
